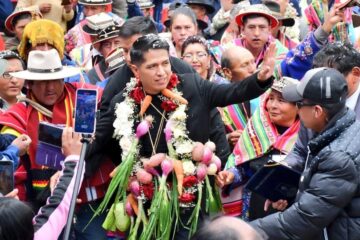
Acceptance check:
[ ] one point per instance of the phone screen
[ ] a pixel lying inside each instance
(85, 110)
(50, 134)
(6, 176)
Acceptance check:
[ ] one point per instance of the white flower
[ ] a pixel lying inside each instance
(178, 133)
(184, 147)
(125, 144)
(179, 114)
(189, 168)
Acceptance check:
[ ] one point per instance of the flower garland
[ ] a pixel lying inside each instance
(189, 162)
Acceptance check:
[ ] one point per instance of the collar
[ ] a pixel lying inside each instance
(352, 100)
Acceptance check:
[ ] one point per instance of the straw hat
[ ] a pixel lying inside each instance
(45, 65)
(256, 9)
(33, 10)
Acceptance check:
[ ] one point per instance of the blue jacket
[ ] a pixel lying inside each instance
(6, 8)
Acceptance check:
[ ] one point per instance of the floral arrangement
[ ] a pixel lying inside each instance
(137, 181)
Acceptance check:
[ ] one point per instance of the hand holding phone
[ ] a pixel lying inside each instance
(23, 143)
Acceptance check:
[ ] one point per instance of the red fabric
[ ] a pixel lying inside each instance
(25, 119)
(2, 44)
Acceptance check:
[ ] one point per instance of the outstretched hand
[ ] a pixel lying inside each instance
(334, 16)
(268, 65)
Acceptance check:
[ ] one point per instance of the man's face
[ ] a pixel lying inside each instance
(256, 32)
(108, 45)
(154, 73)
(91, 10)
(352, 79)
(19, 27)
(126, 44)
(10, 86)
(147, 12)
(242, 66)
(47, 92)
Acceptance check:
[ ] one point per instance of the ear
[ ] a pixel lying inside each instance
(227, 73)
(318, 111)
(356, 71)
(135, 70)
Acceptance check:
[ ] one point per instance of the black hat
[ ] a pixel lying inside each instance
(201, 24)
(95, 2)
(144, 4)
(205, 3)
(109, 32)
(274, 8)
(319, 85)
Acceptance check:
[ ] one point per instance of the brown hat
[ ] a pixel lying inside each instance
(258, 9)
(274, 8)
(33, 10)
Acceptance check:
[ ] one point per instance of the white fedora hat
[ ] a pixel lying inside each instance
(45, 65)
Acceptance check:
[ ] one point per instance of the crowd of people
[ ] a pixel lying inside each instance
(195, 99)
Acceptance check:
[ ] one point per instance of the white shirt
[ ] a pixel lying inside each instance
(352, 100)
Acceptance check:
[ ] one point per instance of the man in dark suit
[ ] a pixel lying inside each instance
(131, 30)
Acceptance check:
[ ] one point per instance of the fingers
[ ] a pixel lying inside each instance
(13, 194)
(112, 174)
(267, 204)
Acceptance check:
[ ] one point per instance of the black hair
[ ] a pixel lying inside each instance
(20, 17)
(15, 220)
(225, 61)
(186, 11)
(252, 16)
(8, 55)
(209, 232)
(137, 25)
(341, 56)
(200, 40)
(144, 44)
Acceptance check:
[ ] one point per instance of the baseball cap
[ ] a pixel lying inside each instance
(319, 85)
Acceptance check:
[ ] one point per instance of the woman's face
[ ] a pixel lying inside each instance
(196, 55)
(282, 113)
(182, 27)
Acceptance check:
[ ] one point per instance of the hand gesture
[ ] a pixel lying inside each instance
(71, 144)
(22, 142)
(279, 205)
(333, 17)
(45, 7)
(233, 137)
(224, 178)
(268, 64)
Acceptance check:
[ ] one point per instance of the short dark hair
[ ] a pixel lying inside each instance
(19, 17)
(252, 16)
(341, 56)
(186, 11)
(15, 220)
(225, 61)
(137, 25)
(144, 44)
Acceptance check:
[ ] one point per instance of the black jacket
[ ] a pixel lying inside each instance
(329, 196)
(202, 97)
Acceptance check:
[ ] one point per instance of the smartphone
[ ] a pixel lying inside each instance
(48, 151)
(6, 176)
(85, 111)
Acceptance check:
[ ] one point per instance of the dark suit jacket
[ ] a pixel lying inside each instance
(202, 96)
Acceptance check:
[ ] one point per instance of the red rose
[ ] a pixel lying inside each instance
(173, 81)
(137, 94)
(148, 190)
(187, 198)
(189, 181)
(168, 105)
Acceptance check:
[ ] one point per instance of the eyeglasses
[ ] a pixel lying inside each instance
(304, 104)
(199, 55)
(7, 75)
